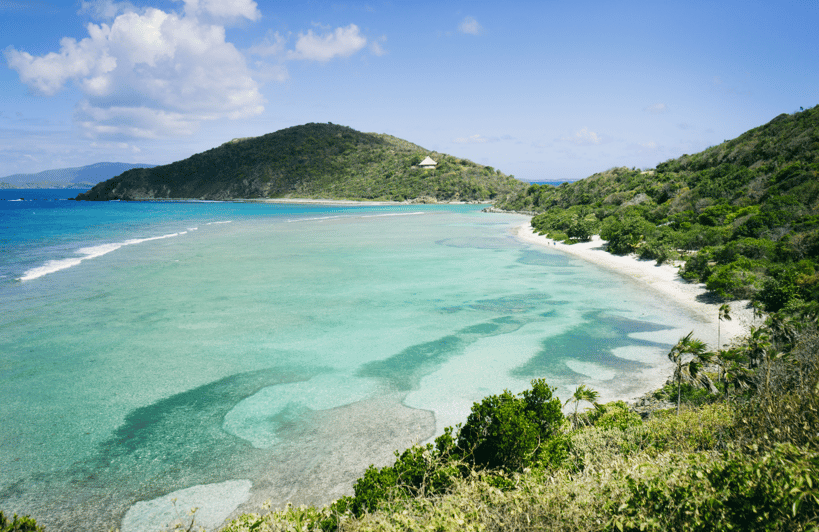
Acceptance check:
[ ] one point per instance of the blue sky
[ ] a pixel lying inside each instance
(546, 90)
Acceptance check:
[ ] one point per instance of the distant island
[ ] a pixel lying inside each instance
(325, 161)
(79, 177)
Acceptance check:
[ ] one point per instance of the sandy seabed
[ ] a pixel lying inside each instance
(664, 279)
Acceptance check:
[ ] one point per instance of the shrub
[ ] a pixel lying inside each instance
(512, 432)
(778, 491)
(19, 524)
(614, 415)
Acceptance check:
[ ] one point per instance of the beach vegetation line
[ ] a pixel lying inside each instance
(741, 217)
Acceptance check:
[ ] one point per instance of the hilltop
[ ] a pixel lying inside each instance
(313, 161)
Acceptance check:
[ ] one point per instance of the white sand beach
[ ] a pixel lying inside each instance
(664, 278)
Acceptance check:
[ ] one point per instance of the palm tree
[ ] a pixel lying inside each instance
(724, 314)
(690, 370)
(784, 328)
(582, 394)
(758, 342)
(758, 311)
(737, 375)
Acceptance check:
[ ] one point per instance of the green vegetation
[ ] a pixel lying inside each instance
(18, 524)
(746, 460)
(743, 216)
(313, 161)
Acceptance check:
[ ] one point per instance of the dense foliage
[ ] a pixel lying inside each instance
(18, 524)
(313, 161)
(743, 458)
(744, 215)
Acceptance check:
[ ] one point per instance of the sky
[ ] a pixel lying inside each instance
(543, 90)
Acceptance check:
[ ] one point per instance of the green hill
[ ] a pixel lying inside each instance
(744, 215)
(312, 161)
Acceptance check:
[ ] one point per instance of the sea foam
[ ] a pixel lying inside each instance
(86, 253)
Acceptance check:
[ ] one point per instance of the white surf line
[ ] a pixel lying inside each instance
(87, 253)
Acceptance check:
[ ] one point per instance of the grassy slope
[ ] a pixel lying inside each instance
(744, 214)
(312, 161)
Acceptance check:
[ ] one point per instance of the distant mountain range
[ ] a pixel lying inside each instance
(314, 161)
(82, 177)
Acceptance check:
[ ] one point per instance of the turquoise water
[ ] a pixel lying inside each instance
(223, 354)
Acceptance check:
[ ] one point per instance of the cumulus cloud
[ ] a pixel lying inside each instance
(343, 42)
(657, 108)
(150, 74)
(470, 26)
(584, 137)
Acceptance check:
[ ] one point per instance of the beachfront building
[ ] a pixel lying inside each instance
(427, 163)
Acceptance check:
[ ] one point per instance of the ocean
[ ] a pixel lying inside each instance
(158, 356)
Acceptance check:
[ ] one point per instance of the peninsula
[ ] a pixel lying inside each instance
(326, 161)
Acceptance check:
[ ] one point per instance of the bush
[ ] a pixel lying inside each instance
(689, 394)
(778, 491)
(19, 524)
(732, 281)
(512, 432)
(614, 415)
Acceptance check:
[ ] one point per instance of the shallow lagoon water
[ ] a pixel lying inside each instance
(274, 351)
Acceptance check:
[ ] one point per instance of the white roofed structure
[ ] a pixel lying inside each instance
(427, 163)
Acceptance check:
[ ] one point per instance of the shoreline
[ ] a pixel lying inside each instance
(663, 279)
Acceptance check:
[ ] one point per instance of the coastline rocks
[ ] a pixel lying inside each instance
(647, 404)
(503, 211)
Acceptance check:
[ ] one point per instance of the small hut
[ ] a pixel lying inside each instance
(427, 163)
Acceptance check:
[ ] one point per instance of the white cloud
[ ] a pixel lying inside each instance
(343, 42)
(151, 74)
(470, 26)
(657, 108)
(584, 137)
(376, 48)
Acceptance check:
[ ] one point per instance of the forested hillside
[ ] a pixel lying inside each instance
(313, 161)
(743, 215)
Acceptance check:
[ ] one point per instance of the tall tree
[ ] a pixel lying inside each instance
(724, 315)
(690, 369)
(582, 393)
